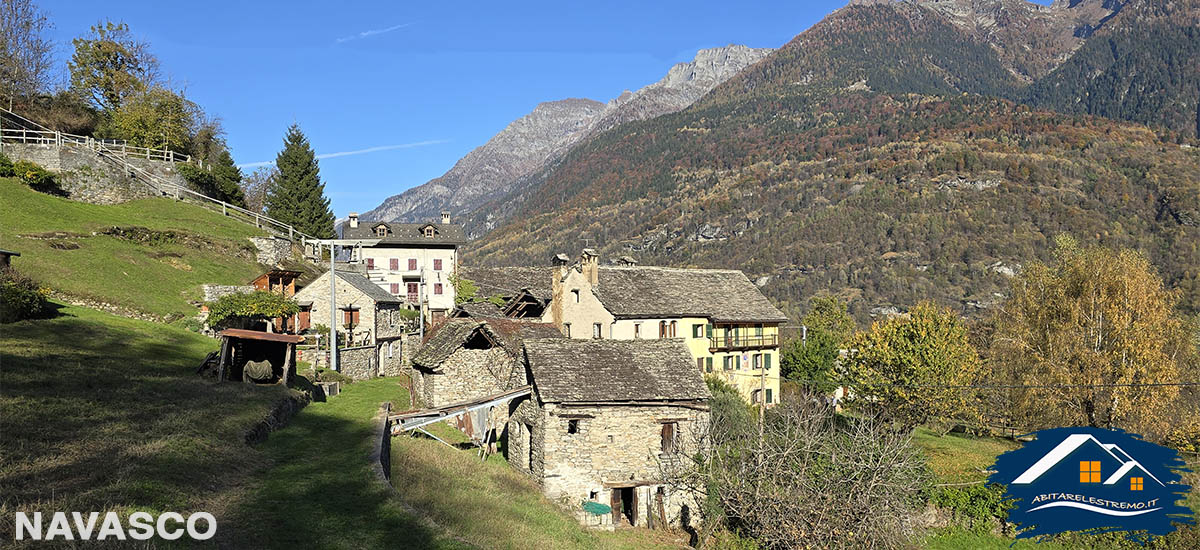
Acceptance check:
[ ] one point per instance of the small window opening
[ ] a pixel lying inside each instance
(573, 426)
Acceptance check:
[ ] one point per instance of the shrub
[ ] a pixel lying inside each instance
(6, 167)
(21, 298)
(259, 304)
(36, 177)
(973, 506)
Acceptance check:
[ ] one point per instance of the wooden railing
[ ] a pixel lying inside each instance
(112, 146)
(735, 341)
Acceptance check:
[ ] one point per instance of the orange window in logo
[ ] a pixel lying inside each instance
(1089, 471)
(1135, 484)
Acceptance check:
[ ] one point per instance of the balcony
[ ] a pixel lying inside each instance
(721, 342)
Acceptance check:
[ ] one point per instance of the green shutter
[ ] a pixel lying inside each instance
(767, 361)
(708, 364)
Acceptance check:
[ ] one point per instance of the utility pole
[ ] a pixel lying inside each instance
(333, 343)
(333, 243)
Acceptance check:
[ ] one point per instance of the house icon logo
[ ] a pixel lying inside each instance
(1095, 480)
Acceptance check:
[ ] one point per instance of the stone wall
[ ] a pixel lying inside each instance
(613, 447)
(272, 250)
(391, 354)
(359, 363)
(213, 292)
(469, 374)
(85, 177)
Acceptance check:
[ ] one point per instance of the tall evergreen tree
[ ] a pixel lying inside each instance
(298, 195)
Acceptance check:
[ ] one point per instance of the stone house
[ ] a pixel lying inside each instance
(413, 261)
(374, 320)
(467, 359)
(604, 418)
(730, 328)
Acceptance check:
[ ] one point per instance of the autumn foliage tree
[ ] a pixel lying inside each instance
(1084, 332)
(912, 369)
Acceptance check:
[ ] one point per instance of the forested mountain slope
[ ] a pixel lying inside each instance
(872, 156)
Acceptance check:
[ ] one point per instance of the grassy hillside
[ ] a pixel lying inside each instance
(64, 246)
(99, 412)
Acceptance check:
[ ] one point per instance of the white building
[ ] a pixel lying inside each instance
(414, 261)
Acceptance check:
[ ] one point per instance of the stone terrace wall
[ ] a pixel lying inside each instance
(272, 250)
(88, 178)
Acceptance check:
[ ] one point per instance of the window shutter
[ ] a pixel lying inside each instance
(370, 263)
(437, 288)
(437, 265)
(394, 264)
(412, 264)
(394, 288)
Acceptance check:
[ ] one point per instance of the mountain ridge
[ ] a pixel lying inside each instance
(528, 143)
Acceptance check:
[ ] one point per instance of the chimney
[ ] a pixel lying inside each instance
(354, 220)
(589, 264)
(445, 217)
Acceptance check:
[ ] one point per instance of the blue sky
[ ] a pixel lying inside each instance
(419, 83)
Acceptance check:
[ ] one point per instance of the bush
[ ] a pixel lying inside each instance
(36, 177)
(259, 304)
(974, 506)
(21, 298)
(6, 167)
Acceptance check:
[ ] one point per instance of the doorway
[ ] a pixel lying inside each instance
(624, 505)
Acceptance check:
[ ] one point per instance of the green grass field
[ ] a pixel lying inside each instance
(153, 278)
(959, 458)
(99, 412)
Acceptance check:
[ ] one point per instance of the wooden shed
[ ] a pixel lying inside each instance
(279, 281)
(257, 357)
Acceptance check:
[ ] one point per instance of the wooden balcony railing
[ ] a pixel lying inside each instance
(731, 342)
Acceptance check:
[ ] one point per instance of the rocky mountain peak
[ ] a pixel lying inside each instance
(552, 128)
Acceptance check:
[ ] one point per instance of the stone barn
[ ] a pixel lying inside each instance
(604, 418)
(466, 359)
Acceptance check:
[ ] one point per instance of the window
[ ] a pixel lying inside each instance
(756, 361)
(567, 330)
(728, 363)
(381, 231)
(350, 317)
(596, 331)
(737, 362)
(1135, 484)
(429, 231)
(769, 401)
(755, 396)
(573, 426)
(413, 290)
(672, 329)
(637, 330)
(391, 318)
(700, 364)
(370, 263)
(412, 264)
(708, 364)
(575, 295)
(758, 331)
(662, 329)
(394, 288)
(697, 330)
(437, 264)
(389, 350)
(668, 436)
(1089, 471)
(437, 288)
(767, 361)
(394, 264)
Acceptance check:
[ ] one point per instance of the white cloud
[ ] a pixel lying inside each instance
(372, 32)
(357, 151)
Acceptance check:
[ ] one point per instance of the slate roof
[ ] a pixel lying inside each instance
(510, 281)
(407, 233)
(719, 294)
(567, 370)
(482, 310)
(450, 335)
(372, 290)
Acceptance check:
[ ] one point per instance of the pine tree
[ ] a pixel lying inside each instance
(229, 179)
(298, 195)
